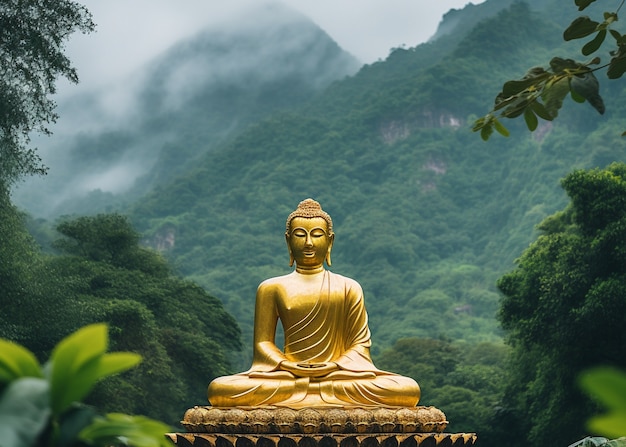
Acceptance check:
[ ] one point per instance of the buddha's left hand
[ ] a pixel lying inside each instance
(309, 369)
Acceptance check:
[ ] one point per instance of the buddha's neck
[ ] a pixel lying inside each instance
(309, 270)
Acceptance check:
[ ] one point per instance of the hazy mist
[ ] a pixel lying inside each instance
(188, 99)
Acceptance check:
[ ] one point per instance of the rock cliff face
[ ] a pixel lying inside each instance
(395, 130)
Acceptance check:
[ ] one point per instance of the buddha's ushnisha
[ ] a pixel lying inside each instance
(326, 359)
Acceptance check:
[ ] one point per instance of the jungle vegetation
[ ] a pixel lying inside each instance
(428, 217)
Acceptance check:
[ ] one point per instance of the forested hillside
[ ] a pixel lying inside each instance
(427, 215)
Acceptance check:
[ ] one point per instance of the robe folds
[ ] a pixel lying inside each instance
(324, 320)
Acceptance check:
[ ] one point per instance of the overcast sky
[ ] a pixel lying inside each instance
(130, 32)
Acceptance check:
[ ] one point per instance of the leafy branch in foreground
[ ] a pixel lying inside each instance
(608, 386)
(540, 93)
(40, 405)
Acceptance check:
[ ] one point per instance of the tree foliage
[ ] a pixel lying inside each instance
(103, 274)
(464, 380)
(540, 93)
(42, 405)
(564, 307)
(32, 38)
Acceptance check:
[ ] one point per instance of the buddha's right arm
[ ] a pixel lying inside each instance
(267, 356)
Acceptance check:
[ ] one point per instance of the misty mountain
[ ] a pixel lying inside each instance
(191, 99)
(427, 215)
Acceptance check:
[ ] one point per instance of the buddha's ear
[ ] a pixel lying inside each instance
(331, 236)
(291, 260)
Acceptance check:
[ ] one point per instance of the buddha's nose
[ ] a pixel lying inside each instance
(308, 242)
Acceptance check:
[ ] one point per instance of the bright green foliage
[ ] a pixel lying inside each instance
(136, 431)
(564, 306)
(17, 361)
(608, 386)
(38, 409)
(79, 361)
(540, 93)
(32, 38)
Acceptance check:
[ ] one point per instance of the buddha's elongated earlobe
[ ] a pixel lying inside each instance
(331, 236)
(291, 259)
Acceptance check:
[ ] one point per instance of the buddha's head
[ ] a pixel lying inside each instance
(309, 235)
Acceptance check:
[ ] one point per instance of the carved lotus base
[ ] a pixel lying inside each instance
(281, 420)
(328, 440)
(318, 427)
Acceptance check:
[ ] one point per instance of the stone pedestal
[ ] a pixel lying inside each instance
(318, 427)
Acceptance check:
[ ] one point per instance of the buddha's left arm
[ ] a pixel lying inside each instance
(356, 356)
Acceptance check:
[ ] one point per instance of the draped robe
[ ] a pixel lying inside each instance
(324, 320)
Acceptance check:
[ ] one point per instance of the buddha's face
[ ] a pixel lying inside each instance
(309, 241)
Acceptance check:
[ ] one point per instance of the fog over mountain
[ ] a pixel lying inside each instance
(180, 105)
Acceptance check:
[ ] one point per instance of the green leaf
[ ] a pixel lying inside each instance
(617, 66)
(511, 88)
(116, 362)
(516, 109)
(17, 361)
(576, 97)
(594, 44)
(582, 4)
(611, 424)
(606, 384)
(580, 27)
(79, 361)
(586, 85)
(74, 365)
(73, 386)
(73, 422)
(533, 78)
(479, 123)
(531, 119)
(24, 411)
(78, 348)
(560, 65)
(138, 431)
(486, 131)
(554, 94)
(616, 35)
(500, 128)
(502, 102)
(541, 111)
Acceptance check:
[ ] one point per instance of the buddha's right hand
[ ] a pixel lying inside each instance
(309, 369)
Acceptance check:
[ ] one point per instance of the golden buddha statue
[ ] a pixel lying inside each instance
(326, 359)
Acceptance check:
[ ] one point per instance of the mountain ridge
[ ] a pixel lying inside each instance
(427, 215)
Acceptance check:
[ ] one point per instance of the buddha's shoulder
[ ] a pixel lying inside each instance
(348, 282)
(274, 282)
